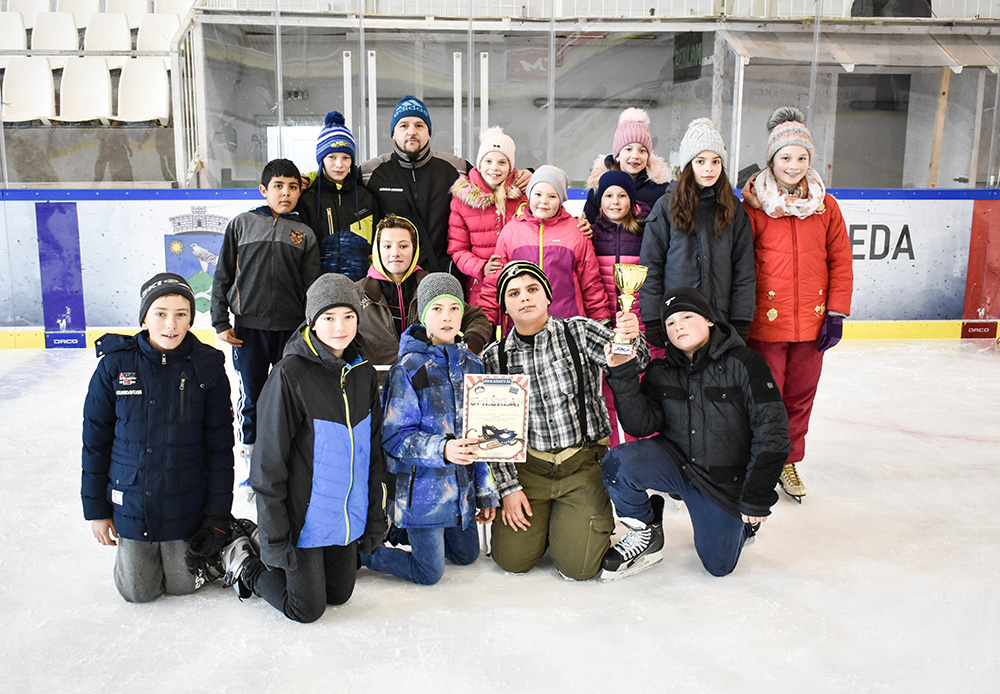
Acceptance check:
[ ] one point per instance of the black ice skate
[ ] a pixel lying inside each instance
(639, 548)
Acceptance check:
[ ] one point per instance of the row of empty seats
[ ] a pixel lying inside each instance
(83, 10)
(106, 31)
(86, 91)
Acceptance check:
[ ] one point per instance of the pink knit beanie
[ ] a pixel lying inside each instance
(633, 126)
(494, 140)
(787, 127)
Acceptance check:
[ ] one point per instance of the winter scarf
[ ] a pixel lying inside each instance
(764, 192)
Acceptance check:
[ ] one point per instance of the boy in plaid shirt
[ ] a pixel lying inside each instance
(557, 499)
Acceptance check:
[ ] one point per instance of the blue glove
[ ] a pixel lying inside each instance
(830, 333)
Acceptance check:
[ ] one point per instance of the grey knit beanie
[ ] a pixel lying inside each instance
(163, 284)
(701, 135)
(552, 175)
(328, 291)
(433, 287)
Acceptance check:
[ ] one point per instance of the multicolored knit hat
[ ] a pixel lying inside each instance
(494, 140)
(633, 126)
(335, 137)
(515, 269)
(410, 106)
(787, 127)
(701, 135)
(164, 284)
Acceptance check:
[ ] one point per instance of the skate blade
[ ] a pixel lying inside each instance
(646, 563)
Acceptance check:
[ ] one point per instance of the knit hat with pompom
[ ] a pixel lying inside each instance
(633, 126)
(787, 127)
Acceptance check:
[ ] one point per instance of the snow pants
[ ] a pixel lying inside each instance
(322, 576)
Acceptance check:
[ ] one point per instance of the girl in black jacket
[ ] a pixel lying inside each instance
(721, 438)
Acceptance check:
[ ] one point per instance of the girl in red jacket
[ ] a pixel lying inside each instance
(481, 204)
(804, 274)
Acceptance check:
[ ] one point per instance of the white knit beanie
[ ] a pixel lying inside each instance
(701, 135)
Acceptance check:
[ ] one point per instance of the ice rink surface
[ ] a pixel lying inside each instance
(886, 578)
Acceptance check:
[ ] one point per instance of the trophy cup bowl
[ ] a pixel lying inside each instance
(628, 278)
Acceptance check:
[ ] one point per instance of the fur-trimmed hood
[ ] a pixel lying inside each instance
(657, 170)
(475, 192)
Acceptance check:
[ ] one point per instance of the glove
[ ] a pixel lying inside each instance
(203, 555)
(376, 531)
(831, 332)
(742, 329)
(655, 334)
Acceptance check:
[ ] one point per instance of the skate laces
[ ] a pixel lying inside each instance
(634, 542)
(791, 475)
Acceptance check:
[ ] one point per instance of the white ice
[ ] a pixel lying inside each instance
(884, 580)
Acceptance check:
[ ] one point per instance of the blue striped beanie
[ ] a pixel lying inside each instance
(335, 137)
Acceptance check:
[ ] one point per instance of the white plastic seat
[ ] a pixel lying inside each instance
(133, 9)
(156, 32)
(177, 7)
(29, 10)
(85, 92)
(81, 10)
(108, 31)
(55, 31)
(12, 36)
(144, 92)
(28, 92)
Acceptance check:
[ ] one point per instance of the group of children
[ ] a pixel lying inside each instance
(333, 465)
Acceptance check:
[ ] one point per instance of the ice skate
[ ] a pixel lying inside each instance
(246, 453)
(791, 483)
(639, 548)
(235, 556)
(247, 528)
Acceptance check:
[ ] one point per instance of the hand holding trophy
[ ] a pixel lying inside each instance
(628, 278)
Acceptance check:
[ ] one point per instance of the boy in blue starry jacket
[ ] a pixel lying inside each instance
(440, 484)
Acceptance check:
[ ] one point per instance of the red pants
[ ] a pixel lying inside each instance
(796, 368)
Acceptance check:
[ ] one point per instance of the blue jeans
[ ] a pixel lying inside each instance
(424, 564)
(631, 468)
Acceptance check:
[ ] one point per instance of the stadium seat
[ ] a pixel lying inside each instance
(108, 31)
(144, 92)
(12, 36)
(85, 91)
(28, 91)
(177, 7)
(55, 31)
(81, 9)
(29, 10)
(133, 9)
(155, 33)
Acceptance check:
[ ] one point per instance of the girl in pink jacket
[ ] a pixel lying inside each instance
(549, 237)
(481, 204)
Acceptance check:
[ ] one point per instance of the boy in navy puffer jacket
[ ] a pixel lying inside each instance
(157, 444)
(440, 484)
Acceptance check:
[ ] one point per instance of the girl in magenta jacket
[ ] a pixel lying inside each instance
(549, 237)
(481, 204)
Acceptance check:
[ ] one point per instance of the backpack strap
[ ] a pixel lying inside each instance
(581, 393)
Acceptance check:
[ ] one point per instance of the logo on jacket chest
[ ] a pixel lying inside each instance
(126, 379)
(296, 237)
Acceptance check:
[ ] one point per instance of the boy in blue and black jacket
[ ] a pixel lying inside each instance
(157, 444)
(269, 258)
(317, 471)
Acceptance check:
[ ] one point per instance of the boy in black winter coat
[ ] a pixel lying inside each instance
(721, 440)
(157, 444)
(318, 469)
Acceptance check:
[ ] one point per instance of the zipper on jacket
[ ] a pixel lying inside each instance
(541, 228)
(329, 220)
(183, 398)
(350, 431)
(402, 309)
(163, 358)
(795, 282)
(409, 496)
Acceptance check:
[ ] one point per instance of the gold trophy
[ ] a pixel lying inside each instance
(628, 279)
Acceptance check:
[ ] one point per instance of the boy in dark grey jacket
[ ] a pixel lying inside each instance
(269, 258)
(721, 440)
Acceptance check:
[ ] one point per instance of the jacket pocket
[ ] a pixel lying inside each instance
(723, 394)
(122, 476)
(727, 474)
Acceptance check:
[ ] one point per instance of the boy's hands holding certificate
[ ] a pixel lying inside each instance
(462, 451)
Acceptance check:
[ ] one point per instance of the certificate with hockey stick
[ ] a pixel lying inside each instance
(496, 412)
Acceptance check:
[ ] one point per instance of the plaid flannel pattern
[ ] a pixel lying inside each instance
(553, 413)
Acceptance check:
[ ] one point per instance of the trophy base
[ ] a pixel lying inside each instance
(622, 347)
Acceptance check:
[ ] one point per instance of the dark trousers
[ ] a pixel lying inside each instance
(322, 576)
(261, 349)
(631, 468)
